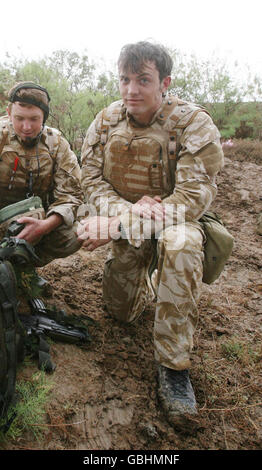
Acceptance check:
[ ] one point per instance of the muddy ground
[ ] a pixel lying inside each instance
(104, 397)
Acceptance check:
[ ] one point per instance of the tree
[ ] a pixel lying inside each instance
(77, 94)
(79, 89)
(211, 84)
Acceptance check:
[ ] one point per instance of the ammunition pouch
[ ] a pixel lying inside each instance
(217, 248)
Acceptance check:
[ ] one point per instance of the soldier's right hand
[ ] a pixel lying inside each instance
(35, 229)
(149, 208)
(98, 231)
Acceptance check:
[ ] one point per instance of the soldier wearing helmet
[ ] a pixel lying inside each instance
(149, 163)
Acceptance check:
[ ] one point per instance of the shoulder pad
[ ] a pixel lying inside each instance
(52, 138)
(108, 117)
(184, 113)
(4, 120)
(52, 131)
(113, 113)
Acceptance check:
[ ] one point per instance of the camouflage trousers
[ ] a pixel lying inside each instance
(130, 282)
(59, 243)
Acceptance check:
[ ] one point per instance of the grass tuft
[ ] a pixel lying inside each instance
(29, 411)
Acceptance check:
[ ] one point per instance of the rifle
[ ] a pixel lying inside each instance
(40, 323)
(59, 327)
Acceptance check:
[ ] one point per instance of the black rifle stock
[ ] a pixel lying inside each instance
(40, 323)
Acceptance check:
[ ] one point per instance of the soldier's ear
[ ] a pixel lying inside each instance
(165, 83)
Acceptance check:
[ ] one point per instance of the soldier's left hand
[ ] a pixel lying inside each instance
(149, 208)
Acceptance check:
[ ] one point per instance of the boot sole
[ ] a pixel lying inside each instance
(181, 421)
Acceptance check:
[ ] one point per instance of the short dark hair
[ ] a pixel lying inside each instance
(133, 56)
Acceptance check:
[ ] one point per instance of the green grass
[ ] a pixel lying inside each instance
(233, 350)
(29, 410)
(236, 351)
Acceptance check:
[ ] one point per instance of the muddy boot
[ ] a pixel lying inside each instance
(177, 398)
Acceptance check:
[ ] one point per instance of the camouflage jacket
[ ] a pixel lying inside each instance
(49, 170)
(176, 156)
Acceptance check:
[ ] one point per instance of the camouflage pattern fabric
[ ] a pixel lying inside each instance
(56, 179)
(176, 282)
(59, 243)
(259, 224)
(134, 162)
(121, 162)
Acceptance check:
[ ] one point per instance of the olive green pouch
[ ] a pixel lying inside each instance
(30, 207)
(20, 207)
(217, 248)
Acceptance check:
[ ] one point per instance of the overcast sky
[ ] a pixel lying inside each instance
(231, 29)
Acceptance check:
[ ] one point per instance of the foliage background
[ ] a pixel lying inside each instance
(79, 89)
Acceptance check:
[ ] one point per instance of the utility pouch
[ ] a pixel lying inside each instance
(31, 207)
(217, 248)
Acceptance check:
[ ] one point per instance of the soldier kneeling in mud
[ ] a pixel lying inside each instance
(41, 192)
(149, 163)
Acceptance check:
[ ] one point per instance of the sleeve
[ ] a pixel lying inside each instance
(199, 160)
(67, 192)
(101, 197)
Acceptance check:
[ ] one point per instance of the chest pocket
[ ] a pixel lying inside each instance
(22, 174)
(135, 164)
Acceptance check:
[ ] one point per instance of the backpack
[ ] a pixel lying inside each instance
(20, 333)
(10, 338)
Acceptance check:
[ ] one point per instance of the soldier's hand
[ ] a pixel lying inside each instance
(98, 231)
(149, 208)
(35, 228)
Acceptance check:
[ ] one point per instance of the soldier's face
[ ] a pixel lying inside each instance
(142, 92)
(27, 120)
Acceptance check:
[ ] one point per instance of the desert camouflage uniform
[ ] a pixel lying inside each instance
(55, 178)
(121, 162)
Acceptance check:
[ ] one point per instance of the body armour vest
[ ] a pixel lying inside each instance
(26, 171)
(141, 160)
